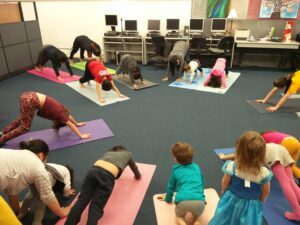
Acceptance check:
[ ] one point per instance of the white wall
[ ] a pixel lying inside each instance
(62, 21)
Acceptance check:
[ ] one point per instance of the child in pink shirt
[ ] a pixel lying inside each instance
(217, 76)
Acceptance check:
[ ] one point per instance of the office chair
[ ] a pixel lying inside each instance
(159, 43)
(162, 49)
(198, 46)
(224, 48)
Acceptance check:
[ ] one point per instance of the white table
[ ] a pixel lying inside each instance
(291, 45)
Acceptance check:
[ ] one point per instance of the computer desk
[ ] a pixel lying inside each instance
(290, 46)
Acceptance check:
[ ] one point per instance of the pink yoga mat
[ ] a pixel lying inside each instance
(125, 200)
(49, 74)
(65, 138)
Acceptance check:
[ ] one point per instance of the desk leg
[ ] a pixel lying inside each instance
(232, 56)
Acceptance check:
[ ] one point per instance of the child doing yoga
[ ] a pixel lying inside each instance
(186, 179)
(193, 69)
(245, 184)
(217, 76)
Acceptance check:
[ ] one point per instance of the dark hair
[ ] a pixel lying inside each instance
(36, 146)
(186, 67)
(106, 85)
(136, 73)
(96, 51)
(183, 152)
(280, 82)
(214, 81)
(118, 148)
(56, 124)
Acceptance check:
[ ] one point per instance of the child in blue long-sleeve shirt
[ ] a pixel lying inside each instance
(186, 179)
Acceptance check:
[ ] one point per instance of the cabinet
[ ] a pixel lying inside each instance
(115, 47)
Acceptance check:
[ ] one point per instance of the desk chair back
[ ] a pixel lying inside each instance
(198, 43)
(159, 43)
(226, 43)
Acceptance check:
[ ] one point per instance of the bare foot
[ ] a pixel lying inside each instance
(165, 79)
(37, 68)
(292, 216)
(60, 78)
(81, 85)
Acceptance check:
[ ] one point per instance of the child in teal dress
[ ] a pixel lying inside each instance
(245, 184)
(186, 179)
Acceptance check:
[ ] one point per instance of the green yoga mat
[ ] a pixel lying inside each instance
(81, 66)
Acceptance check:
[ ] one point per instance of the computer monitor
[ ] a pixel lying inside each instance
(154, 25)
(173, 24)
(196, 25)
(218, 25)
(130, 25)
(111, 20)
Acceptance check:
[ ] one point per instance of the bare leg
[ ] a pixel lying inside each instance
(180, 221)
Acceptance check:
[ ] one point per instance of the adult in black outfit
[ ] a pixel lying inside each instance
(57, 57)
(83, 43)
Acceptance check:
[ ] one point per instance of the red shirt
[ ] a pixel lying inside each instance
(98, 71)
(53, 110)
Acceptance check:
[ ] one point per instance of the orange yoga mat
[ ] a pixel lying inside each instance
(165, 212)
(125, 200)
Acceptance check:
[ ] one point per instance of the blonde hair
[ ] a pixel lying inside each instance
(183, 152)
(186, 67)
(250, 152)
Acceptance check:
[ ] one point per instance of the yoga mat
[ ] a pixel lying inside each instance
(90, 92)
(65, 138)
(197, 83)
(291, 105)
(125, 80)
(81, 66)
(275, 205)
(49, 74)
(165, 212)
(125, 200)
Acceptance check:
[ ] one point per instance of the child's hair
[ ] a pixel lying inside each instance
(136, 73)
(36, 146)
(95, 49)
(183, 152)
(250, 152)
(117, 148)
(214, 81)
(186, 67)
(56, 124)
(106, 85)
(280, 82)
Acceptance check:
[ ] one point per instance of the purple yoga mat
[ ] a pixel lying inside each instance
(65, 138)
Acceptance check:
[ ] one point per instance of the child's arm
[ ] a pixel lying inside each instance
(116, 89)
(269, 95)
(223, 80)
(207, 80)
(72, 119)
(134, 169)
(279, 103)
(99, 93)
(265, 192)
(227, 157)
(75, 130)
(225, 182)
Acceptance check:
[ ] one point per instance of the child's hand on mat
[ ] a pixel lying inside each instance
(134, 86)
(260, 101)
(81, 124)
(222, 156)
(121, 96)
(271, 109)
(85, 136)
(101, 100)
(161, 197)
(60, 78)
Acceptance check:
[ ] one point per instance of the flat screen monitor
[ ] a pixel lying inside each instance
(172, 24)
(218, 25)
(153, 24)
(111, 20)
(196, 25)
(130, 25)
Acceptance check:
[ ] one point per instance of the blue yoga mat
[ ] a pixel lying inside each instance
(275, 205)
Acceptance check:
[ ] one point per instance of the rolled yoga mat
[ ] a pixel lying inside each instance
(165, 212)
(291, 105)
(65, 137)
(49, 74)
(125, 200)
(275, 205)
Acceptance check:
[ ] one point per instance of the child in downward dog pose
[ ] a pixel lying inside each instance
(61, 177)
(245, 184)
(193, 68)
(186, 179)
(217, 76)
(99, 183)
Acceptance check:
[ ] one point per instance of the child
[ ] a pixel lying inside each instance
(99, 182)
(291, 83)
(61, 178)
(217, 76)
(193, 68)
(176, 61)
(83, 43)
(46, 107)
(49, 52)
(95, 70)
(245, 184)
(186, 179)
(130, 66)
(291, 144)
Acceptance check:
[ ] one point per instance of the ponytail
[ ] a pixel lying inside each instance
(36, 146)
